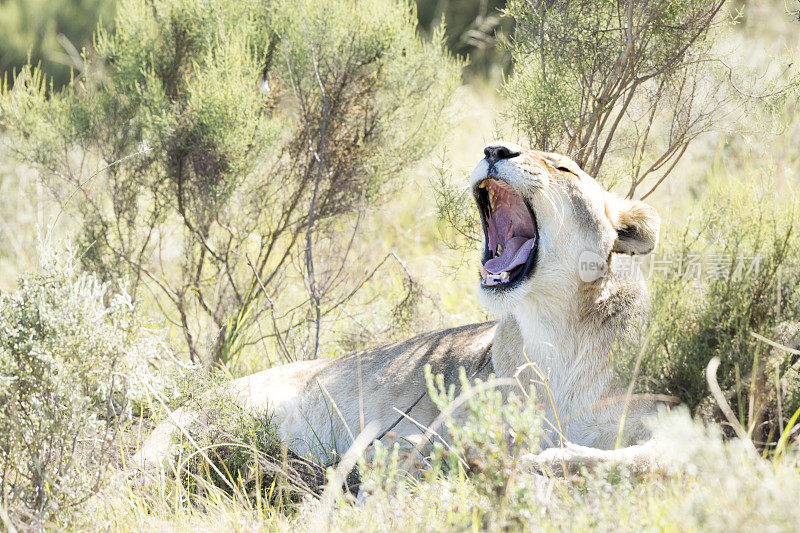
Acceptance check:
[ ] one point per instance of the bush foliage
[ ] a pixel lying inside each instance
(702, 490)
(731, 271)
(235, 449)
(631, 83)
(77, 360)
(232, 139)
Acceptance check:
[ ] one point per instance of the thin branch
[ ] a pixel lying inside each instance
(320, 157)
(84, 182)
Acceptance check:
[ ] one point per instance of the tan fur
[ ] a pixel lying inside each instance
(554, 325)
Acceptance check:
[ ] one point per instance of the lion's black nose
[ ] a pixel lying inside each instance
(496, 152)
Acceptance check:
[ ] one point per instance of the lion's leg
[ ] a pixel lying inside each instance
(571, 458)
(155, 450)
(279, 390)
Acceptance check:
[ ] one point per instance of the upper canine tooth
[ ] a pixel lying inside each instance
(499, 249)
(482, 184)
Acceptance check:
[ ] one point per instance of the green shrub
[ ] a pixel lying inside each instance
(494, 431)
(483, 449)
(624, 87)
(234, 137)
(712, 485)
(731, 271)
(77, 360)
(237, 450)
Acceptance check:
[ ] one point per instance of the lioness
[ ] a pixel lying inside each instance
(551, 236)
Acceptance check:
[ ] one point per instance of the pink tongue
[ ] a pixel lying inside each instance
(515, 253)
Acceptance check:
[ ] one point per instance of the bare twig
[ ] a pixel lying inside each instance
(87, 180)
(774, 344)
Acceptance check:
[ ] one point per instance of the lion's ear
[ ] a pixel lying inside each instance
(637, 225)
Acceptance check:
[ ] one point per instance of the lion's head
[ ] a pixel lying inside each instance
(548, 227)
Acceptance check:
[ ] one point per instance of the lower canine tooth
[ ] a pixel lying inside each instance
(484, 273)
(504, 276)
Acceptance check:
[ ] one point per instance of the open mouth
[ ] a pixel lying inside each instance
(510, 233)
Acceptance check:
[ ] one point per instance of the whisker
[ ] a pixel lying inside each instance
(547, 195)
